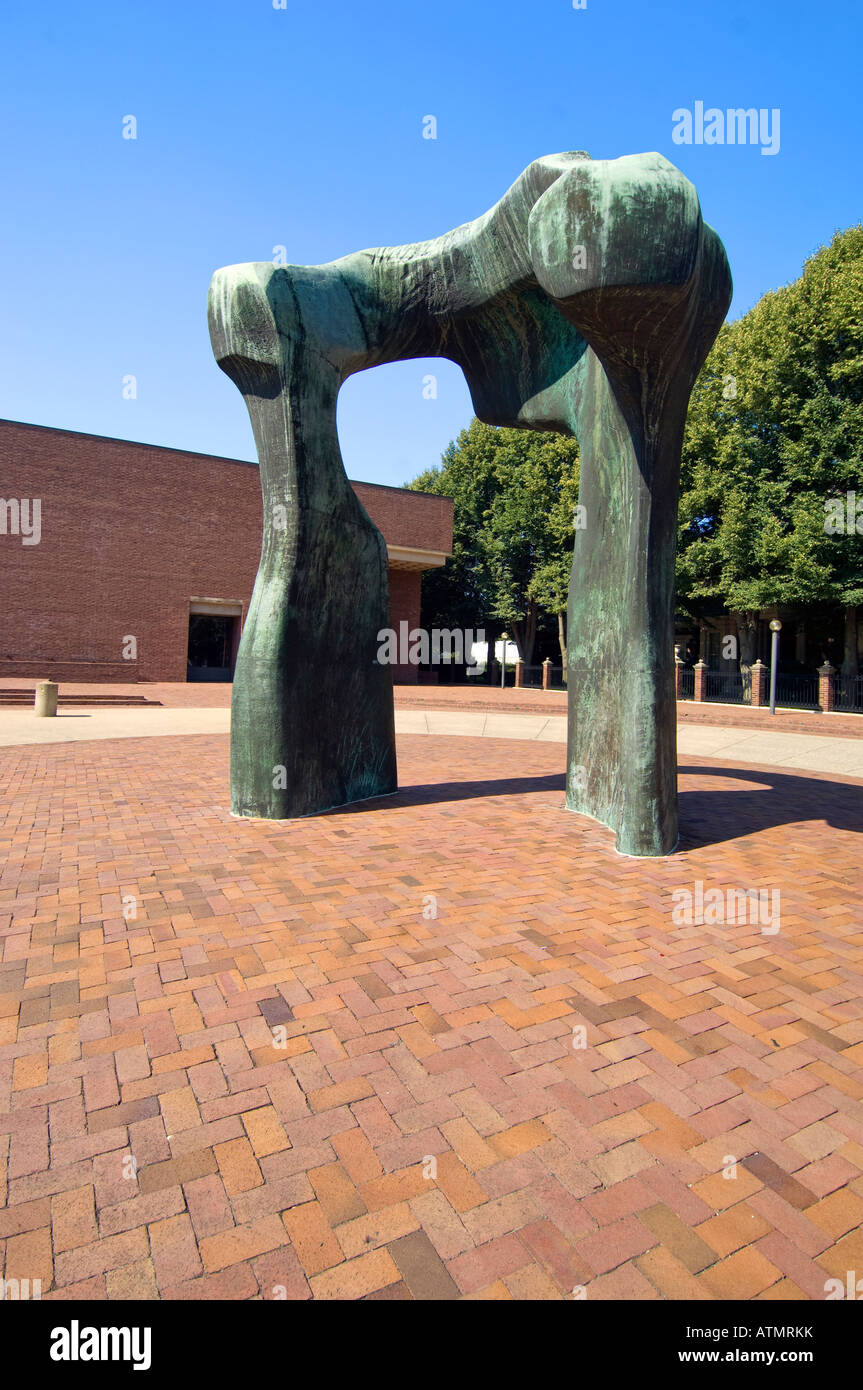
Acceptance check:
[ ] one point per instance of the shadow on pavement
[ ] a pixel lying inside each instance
(708, 815)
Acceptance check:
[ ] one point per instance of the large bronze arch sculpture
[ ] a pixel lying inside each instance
(585, 301)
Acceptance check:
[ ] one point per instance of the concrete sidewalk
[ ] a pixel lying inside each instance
(810, 752)
(75, 725)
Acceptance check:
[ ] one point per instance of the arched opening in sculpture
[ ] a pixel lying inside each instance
(399, 417)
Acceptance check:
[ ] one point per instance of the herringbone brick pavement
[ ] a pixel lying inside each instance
(443, 1045)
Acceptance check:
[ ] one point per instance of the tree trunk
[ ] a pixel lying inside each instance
(492, 626)
(532, 616)
(524, 633)
(850, 668)
(561, 642)
(850, 661)
(747, 637)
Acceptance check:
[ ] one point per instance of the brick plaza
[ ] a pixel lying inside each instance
(335, 1058)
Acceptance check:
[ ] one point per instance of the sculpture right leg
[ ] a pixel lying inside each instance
(648, 292)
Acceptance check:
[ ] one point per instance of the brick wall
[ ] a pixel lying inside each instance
(131, 532)
(405, 588)
(411, 519)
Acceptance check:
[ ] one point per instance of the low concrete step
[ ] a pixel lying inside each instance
(25, 698)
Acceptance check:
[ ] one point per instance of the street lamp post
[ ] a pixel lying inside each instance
(504, 639)
(775, 629)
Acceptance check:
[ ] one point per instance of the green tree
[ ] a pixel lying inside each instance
(515, 494)
(774, 432)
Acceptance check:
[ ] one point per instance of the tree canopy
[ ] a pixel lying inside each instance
(515, 494)
(774, 431)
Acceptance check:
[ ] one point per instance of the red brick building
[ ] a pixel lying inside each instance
(103, 540)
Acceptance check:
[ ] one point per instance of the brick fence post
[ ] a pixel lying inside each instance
(700, 669)
(759, 684)
(826, 688)
(546, 674)
(519, 673)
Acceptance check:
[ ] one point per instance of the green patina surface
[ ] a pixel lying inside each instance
(585, 301)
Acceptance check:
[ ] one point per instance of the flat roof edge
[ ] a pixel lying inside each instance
(191, 453)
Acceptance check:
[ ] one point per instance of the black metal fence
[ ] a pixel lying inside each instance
(848, 693)
(687, 683)
(720, 687)
(792, 691)
(725, 687)
(531, 678)
(796, 692)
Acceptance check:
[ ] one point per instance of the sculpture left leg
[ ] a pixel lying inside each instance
(312, 708)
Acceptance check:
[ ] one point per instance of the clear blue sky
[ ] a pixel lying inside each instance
(302, 127)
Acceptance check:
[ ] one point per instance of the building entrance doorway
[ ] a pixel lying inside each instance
(212, 645)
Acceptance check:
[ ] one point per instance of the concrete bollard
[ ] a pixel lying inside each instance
(46, 698)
